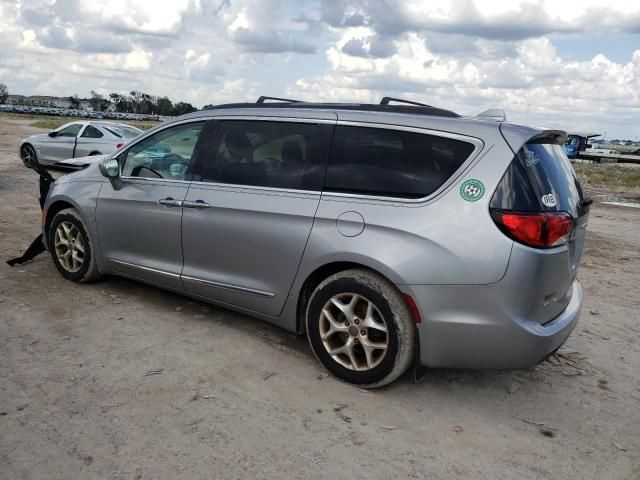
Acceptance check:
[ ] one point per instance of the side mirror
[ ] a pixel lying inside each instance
(110, 168)
(53, 134)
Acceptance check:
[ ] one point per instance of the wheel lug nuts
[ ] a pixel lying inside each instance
(346, 323)
(363, 332)
(357, 341)
(356, 321)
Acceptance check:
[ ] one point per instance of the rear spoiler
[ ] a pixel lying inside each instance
(517, 135)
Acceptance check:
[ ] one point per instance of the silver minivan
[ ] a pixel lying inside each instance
(392, 235)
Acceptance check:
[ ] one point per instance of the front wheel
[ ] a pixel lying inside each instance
(28, 155)
(360, 328)
(71, 248)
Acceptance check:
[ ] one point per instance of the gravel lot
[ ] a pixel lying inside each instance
(119, 380)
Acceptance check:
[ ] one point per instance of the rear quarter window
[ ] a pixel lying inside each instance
(394, 163)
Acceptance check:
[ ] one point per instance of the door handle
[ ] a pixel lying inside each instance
(199, 204)
(170, 202)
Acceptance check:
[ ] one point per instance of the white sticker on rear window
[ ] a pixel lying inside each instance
(549, 200)
(530, 157)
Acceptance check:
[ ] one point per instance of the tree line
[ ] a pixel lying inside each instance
(135, 102)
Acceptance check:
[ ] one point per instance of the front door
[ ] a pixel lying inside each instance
(60, 147)
(247, 220)
(139, 224)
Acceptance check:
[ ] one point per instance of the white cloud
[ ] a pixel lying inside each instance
(464, 55)
(535, 85)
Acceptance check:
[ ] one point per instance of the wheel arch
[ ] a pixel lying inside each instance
(314, 279)
(53, 209)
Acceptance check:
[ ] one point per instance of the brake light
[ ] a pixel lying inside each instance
(541, 230)
(118, 145)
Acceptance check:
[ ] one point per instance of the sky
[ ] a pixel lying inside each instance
(564, 64)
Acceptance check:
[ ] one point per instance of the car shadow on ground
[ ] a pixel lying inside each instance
(440, 378)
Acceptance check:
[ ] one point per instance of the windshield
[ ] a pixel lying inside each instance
(572, 140)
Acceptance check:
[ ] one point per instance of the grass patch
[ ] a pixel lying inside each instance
(48, 123)
(609, 175)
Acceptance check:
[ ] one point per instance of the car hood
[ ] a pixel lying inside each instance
(81, 162)
(87, 170)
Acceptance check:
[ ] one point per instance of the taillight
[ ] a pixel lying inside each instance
(118, 145)
(541, 230)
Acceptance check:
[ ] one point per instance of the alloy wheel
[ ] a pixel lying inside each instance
(28, 155)
(69, 246)
(353, 331)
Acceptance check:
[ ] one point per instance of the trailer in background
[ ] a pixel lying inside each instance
(577, 147)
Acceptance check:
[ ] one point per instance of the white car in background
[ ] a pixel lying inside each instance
(75, 140)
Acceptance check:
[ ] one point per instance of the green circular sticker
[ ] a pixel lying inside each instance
(472, 190)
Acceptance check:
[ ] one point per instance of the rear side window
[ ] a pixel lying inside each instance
(266, 154)
(92, 132)
(394, 163)
(540, 178)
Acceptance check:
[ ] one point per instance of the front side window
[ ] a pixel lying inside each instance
(70, 131)
(263, 153)
(166, 154)
(91, 132)
(394, 163)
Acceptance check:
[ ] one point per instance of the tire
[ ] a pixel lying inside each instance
(377, 304)
(28, 155)
(69, 233)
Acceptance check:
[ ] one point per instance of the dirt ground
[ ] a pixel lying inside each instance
(119, 380)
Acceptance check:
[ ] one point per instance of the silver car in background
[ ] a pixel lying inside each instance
(75, 140)
(391, 235)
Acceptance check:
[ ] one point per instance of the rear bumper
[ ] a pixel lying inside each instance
(477, 327)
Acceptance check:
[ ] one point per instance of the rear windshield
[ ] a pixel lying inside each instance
(122, 131)
(540, 178)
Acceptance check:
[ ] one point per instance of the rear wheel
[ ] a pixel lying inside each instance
(71, 248)
(29, 155)
(360, 328)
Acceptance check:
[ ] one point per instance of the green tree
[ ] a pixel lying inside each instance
(4, 93)
(164, 106)
(75, 101)
(121, 102)
(181, 108)
(98, 102)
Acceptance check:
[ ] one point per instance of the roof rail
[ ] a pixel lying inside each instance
(493, 114)
(263, 99)
(386, 100)
(363, 107)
